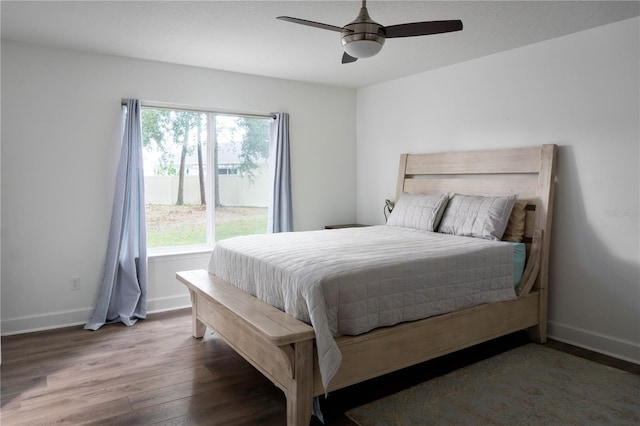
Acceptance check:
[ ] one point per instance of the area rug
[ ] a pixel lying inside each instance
(529, 385)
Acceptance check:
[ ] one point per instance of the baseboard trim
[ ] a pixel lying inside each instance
(43, 322)
(76, 317)
(170, 303)
(596, 342)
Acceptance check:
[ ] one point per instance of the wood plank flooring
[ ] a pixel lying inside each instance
(155, 373)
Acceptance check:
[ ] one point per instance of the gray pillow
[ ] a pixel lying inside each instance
(418, 211)
(475, 216)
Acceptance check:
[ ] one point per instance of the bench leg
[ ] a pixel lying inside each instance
(300, 388)
(197, 327)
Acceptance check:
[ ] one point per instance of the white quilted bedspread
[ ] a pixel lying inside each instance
(350, 281)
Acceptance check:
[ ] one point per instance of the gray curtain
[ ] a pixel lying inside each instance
(122, 296)
(280, 211)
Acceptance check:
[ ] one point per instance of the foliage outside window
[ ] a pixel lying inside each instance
(205, 176)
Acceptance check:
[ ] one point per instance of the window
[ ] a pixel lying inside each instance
(206, 176)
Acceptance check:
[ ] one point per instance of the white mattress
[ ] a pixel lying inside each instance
(350, 281)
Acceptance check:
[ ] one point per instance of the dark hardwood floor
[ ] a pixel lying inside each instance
(156, 373)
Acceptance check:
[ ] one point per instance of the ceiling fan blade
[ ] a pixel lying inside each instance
(310, 23)
(347, 59)
(422, 28)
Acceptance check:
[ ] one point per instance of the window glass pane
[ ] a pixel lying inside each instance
(241, 184)
(199, 190)
(174, 153)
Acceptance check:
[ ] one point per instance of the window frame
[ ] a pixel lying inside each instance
(210, 176)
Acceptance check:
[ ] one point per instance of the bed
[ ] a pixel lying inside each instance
(285, 349)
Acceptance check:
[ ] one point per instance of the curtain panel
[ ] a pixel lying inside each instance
(280, 212)
(122, 296)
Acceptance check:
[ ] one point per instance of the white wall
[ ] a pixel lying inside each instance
(580, 92)
(61, 123)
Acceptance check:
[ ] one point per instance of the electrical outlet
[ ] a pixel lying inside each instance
(74, 284)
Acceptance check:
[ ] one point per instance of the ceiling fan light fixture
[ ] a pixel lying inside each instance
(363, 48)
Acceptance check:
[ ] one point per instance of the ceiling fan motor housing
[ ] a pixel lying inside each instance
(363, 37)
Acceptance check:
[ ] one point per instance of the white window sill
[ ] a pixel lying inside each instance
(175, 253)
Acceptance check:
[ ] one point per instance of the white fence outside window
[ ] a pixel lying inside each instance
(235, 190)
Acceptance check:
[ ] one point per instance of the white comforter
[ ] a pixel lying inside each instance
(350, 281)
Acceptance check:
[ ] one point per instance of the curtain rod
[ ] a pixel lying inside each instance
(159, 105)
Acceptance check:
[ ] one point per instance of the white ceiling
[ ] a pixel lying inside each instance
(244, 36)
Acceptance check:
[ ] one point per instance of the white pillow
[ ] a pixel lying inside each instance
(418, 211)
(475, 216)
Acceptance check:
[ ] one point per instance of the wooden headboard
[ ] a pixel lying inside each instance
(528, 172)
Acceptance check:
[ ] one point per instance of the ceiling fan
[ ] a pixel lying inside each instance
(364, 37)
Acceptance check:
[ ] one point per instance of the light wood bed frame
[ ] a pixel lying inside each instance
(282, 347)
